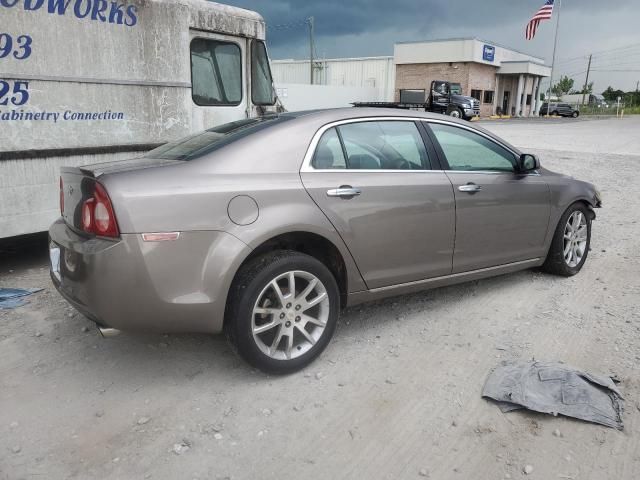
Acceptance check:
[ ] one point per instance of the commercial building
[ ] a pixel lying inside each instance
(502, 79)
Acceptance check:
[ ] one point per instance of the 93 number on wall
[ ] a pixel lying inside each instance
(20, 48)
(15, 92)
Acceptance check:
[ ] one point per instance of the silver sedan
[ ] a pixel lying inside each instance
(266, 228)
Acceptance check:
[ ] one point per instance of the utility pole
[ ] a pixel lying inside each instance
(553, 61)
(310, 21)
(586, 80)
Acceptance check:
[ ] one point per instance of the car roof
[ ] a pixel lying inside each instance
(318, 118)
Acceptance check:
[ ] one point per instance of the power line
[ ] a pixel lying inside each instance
(617, 49)
(293, 24)
(628, 70)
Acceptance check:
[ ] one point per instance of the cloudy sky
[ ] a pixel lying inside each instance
(370, 27)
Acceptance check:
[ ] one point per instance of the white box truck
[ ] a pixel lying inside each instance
(86, 81)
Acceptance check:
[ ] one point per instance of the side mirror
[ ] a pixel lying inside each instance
(528, 162)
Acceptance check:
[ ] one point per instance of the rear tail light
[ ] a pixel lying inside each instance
(98, 216)
(61, 197)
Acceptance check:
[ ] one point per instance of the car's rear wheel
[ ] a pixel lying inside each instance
(283, 309)
(575, 114)
(571, 242)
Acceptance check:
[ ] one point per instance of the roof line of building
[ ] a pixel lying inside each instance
(457, 39)
(291, 60)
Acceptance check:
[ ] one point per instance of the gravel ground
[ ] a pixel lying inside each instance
(396, 395)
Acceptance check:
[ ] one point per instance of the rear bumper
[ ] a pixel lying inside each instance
(128, 284)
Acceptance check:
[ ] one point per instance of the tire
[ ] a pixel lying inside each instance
(555, 112)
(282, 319)
(575, 114)
(455, 112)
(556, 262)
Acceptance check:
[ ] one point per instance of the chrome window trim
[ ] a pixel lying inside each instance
(308, 157)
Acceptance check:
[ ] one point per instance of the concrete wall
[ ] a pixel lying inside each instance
(296, 97)
(370, 72)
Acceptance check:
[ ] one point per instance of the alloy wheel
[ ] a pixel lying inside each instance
(575, 239)
(290, 315)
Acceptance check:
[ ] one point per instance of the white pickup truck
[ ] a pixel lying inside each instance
(86, 81)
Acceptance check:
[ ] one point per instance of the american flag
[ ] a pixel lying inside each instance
(543, 14)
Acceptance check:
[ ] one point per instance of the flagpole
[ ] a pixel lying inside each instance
(553, 61)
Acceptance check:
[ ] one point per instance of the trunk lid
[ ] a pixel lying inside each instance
(78, 183)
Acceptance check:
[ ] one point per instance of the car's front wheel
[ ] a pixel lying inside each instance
(282, 311)
(575, 114)
(454, 112)
(571, 242)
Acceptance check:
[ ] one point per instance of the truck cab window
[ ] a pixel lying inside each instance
(216, 72)
(261, 81)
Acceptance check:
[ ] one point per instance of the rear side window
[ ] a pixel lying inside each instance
(216, 72)
(469, 151)
(329, 154)
(384, 145)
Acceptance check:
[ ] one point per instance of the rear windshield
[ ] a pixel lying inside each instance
(200, 144)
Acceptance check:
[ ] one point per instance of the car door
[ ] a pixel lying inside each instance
(382, 188)
(501, 216)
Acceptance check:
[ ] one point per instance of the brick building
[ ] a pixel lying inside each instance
(503, 80)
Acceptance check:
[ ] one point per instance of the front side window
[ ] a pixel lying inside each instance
(469, 151)
(216, 72)
(261, 81)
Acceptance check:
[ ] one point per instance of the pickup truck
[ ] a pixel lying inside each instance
(445, 98)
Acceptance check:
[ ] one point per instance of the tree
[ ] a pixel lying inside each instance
(612, 95)
(563, 86)
(583, 90)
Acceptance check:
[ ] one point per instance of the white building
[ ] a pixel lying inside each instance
(375, 76)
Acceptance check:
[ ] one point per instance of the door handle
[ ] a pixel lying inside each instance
(470, 188)
(344, 191)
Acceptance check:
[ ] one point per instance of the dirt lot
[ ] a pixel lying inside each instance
(396, 394)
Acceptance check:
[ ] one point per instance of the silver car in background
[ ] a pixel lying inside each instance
(266, 228)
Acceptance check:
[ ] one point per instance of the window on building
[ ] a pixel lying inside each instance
(528, 99)
(412, 96)
(216, 72)
(477, 94)
(488, 96)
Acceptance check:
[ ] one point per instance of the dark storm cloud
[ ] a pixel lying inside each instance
(369, 28)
